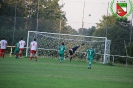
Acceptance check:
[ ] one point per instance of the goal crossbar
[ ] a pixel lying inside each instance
(45, 39)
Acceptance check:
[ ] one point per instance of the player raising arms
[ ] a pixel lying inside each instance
(21, 47)
(61, 49)
(33, 49)
(3, 45)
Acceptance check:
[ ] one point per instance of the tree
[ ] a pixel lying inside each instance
(91, 31)
(87, 32)
(49, 17)
(110, 21)
(83, 31)
(117, 32)
(69, 30)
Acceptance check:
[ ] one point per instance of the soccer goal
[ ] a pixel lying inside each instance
(48, 44)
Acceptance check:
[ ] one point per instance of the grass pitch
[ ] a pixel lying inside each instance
(49, 73)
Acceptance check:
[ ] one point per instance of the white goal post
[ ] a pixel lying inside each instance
(48, 44)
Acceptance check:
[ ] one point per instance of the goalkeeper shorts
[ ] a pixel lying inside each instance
(70, 52)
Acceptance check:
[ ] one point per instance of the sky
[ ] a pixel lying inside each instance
(86, 13)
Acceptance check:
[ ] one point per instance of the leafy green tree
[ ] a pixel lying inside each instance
(48, 13)
(91, 31)
(83, 31)
(130, 50)
(117, 32)
(49, 17)
(69, 30)
(107, 21)
(87, 32)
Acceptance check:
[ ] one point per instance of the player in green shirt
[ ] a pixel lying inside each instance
(16, 51)
(61, 49)
(90, 56)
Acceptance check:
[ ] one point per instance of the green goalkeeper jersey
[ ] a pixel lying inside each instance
(90, 52)
(62, 49)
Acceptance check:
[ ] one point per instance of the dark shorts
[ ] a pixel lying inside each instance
(70, 52)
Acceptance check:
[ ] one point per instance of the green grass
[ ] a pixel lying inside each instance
(48, 73)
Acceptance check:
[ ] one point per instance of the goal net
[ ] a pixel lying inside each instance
(48, 44)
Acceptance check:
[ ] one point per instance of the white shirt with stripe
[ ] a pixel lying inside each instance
(22, 44)
(33, 45)
(3, 44)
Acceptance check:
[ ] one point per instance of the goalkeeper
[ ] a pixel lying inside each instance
(90, 55)
(72, 51)
(61, 49)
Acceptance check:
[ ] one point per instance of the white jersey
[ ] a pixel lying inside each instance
(33, 45)
(22, 44)
(3, 44)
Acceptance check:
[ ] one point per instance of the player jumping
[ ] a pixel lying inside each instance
(72, 51)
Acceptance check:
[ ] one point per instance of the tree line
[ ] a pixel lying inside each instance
(19, 16)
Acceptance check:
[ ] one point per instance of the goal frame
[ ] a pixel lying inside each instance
(106, 47)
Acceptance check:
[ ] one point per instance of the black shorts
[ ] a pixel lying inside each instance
(70, 52)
